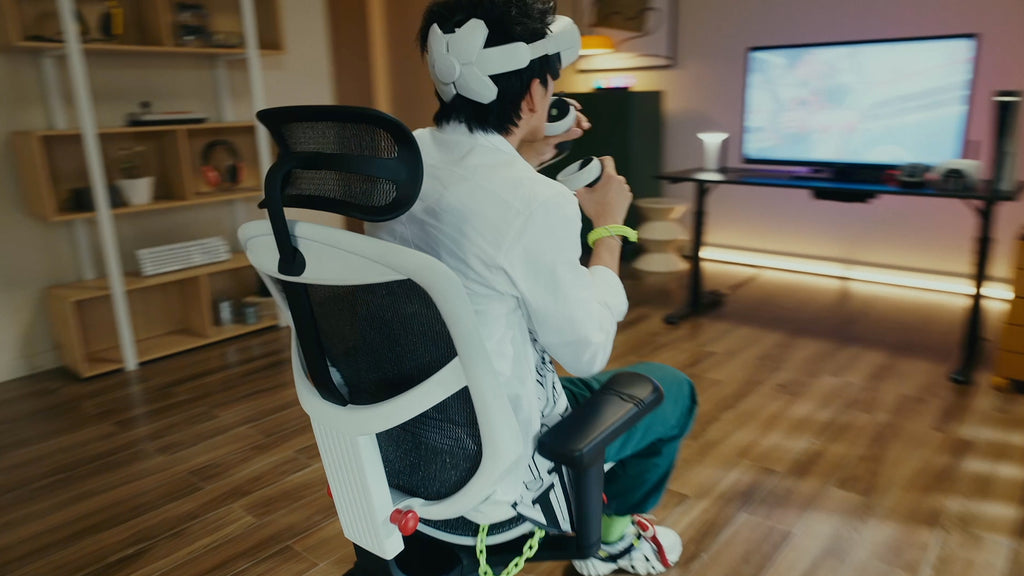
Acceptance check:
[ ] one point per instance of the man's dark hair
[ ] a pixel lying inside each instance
(507, 21)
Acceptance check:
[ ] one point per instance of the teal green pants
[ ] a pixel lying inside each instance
(645, 455)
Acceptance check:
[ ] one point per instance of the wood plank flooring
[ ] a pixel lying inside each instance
(828, 443)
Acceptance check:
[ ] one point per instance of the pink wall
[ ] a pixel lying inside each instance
(704, 91)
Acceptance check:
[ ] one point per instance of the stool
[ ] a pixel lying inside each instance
(661, 236)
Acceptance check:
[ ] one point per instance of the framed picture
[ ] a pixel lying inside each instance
(644, 32)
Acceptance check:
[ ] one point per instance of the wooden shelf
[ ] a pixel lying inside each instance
(150, 348)
(109, 359)
(226, 332)
(100, 287)
(150, 27)
(171, 313)
(112, 48)
(208, 198)
(146, 129)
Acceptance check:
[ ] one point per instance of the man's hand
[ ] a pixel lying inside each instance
(607, 203)
(540, 152)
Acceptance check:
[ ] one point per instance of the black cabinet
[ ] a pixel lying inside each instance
(626, 126)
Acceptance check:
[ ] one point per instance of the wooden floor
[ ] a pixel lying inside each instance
(828, 443)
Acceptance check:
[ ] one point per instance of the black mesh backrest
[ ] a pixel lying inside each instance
(367, 343)
(356, 162)
(383, 339)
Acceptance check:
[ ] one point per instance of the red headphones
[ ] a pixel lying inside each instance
(224, 175)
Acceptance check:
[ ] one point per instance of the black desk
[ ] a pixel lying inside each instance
(700, 301)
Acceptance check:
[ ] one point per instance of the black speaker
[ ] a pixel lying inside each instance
(1004, 174)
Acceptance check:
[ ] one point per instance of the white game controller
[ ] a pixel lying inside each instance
(582, 174)
(561, 117)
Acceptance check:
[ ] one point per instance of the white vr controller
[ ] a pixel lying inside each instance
(582, 174)
(561, 117)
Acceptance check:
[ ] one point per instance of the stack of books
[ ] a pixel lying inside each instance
(171, 257)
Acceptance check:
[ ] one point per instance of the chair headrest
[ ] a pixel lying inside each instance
(352, 161)
(370, 165)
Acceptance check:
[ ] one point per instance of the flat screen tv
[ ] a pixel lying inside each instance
(880, 103)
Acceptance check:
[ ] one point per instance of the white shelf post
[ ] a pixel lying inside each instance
(254, 61)
(82, 93)
(222, 84)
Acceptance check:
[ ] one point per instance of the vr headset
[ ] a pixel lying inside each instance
(459, 63)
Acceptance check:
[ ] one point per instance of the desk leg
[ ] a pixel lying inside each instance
(972, 332)
(698, 302)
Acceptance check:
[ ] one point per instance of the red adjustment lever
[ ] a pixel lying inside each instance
(406, 520)
(604, 497)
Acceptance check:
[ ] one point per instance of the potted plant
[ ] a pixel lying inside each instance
(135, 188)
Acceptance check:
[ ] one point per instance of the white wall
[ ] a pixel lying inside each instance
(35, 254)
(704, 91)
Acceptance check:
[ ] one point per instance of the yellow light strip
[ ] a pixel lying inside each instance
(936, 283)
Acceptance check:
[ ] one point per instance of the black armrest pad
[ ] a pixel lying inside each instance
(582, 436)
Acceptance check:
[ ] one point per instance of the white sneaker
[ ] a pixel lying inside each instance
(645, 549)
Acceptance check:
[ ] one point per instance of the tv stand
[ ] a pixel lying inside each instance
(699, 301)
(814, 174)
(859, 174)
(852, 174)
(847, 174)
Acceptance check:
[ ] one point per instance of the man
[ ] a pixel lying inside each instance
(512, 236)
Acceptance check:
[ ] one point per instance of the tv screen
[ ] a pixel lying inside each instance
(882, 103)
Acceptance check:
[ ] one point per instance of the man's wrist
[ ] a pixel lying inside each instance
(611, 240)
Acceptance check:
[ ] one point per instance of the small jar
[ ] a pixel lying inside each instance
(250, 313)
(225, 312)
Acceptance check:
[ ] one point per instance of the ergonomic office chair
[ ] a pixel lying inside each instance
(389, 367)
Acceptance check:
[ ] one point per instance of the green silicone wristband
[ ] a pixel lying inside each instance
(614, 230)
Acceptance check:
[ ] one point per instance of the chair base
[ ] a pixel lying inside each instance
(423, 556)
(426, 556)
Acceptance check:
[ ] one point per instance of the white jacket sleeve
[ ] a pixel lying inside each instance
(574, 310)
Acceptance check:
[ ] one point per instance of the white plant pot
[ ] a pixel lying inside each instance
(137, 191)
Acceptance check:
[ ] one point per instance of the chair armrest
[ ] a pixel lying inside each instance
(578, 442)
(581, 437)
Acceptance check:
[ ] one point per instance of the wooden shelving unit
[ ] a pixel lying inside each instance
(116, 322)
(52, 165)
(149, 26)
(171, 313)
